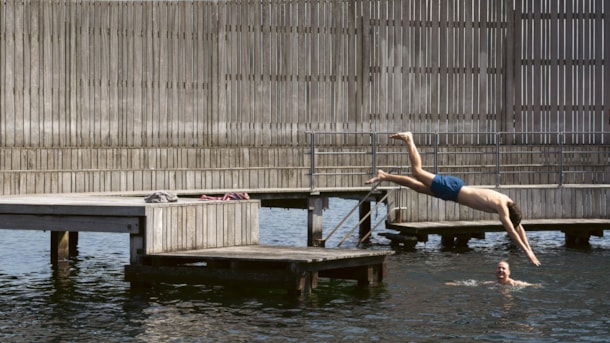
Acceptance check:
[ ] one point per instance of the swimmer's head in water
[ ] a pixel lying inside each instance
(503, 271)
(514, 213)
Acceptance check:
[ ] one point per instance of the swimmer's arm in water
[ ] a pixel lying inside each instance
(468, 283)
(525, 284)
(490, 283)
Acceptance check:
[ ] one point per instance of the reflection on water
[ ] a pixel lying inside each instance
(88, 301)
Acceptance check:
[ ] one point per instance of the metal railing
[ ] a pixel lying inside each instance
(541, 158)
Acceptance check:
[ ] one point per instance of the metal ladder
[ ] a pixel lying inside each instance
(351, 231)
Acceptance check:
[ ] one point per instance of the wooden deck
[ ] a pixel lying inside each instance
(189, 241)
(295, 269)
(577, 230)
(72, 213)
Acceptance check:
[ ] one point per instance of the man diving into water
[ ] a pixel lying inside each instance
(453, 188)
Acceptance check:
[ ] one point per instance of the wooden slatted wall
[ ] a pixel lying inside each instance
(188, 226)
(562, 76)
(535, 202)
(138, 95)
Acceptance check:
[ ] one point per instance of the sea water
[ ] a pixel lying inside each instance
(88, 301)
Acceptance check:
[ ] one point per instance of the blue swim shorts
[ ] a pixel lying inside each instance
(446, 187)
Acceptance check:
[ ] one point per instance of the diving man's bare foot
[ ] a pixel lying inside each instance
(380, 177)
(404, 136)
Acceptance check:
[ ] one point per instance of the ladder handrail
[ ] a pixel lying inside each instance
(366, 216)
(373, 188)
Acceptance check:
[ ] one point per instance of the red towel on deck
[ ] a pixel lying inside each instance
(228, 196)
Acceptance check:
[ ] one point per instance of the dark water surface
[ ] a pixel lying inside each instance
(88, 301)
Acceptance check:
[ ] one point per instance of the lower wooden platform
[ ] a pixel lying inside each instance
(577, 230)
(295, 269)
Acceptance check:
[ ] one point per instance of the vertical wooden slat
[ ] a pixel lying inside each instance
(518, 70)
(72, 82)
(166, 54)
(138, 85)
(147, 35)
(605, 9)
(569, 71)
(186, 80)
(353, 124)
(468, 67)
(554, 71)
(175, 75)
(46, 67)
(579, 67)
(325, 60)
(198, 82)
(597, 76)
(336, 68)
(381, 66)
(483, 57)
(500, 72)
(407, 74)
(376, 48)
(21, 74)
(314, 68)
(509, 63)
(236, 80)
(59, 75)
(536, 85)
(440, 77)
(3, 80)
(460, 37)
(115, 74)
(231, 73)
(9, 86)
(365, 53)
(297, 136)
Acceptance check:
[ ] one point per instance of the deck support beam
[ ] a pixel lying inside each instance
(365, 226)
(63, 245)
(578, 239)
(315, 207)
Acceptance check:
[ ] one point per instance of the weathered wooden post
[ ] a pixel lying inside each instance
(365, 225)
(60, 246)
(315, 207)
(64, 244)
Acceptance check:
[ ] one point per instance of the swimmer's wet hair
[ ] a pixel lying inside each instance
(514, 212)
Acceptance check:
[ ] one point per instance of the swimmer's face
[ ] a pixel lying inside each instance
(503, 271)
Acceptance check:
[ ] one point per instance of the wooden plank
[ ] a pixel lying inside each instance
(73, 205)
(73, 223)
(202, 275)
(454, 227)
(352, 96)
(3, 69)
(20, 70)
(72, 75)
(265, 253)
(8, 86)
(606, 80)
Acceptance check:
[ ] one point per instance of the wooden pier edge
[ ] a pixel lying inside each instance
(273, 267)
(577, 231)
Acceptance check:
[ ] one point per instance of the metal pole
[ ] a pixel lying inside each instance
(312, 179)
(561, 159)
(436, 153)
(374, 152)
(497, 159)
